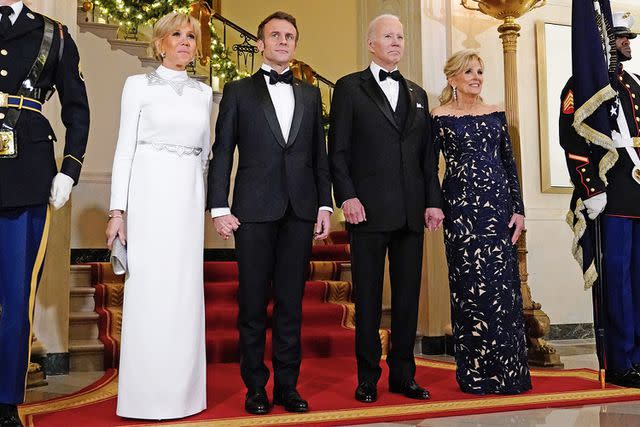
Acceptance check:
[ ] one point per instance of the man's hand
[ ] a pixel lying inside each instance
(517, 220)
(595, 205)
(433, 218)
(60, 190)
(323, 225)
(225, 225)
(354, 211)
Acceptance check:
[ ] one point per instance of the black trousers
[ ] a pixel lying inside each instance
(368, 251)
(273, 261)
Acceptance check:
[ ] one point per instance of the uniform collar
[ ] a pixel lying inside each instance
(17, 8)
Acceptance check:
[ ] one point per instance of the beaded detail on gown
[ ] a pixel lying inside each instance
(481, 193)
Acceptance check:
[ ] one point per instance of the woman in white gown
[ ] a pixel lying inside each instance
(157, 179)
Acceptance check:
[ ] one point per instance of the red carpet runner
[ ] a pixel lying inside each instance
(328, 384)
(327, 378)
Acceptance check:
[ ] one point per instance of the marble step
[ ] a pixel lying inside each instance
(81, 299)
(86, 355)
(83, 326)
(80, 276)
(132, 47)
(105, 31)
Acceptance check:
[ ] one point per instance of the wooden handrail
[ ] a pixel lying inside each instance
(252, 37)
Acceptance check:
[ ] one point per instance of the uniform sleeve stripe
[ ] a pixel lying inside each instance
(71, 157)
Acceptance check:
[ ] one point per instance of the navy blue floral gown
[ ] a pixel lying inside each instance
(481, 193)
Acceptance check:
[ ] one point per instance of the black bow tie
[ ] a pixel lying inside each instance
(274, 77)
(395, 75)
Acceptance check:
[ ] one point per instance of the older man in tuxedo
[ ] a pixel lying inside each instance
(281, 188)
(385, 179)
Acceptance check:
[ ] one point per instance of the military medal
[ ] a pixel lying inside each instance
(8, 147)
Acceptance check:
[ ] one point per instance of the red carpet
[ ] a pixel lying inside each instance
(327, 378)
(327, 310)
(328, 384)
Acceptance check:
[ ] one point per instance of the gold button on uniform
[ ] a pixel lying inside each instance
(636, 106)
(637, 119)
(50, 137)
(4, 52)
(592, 190)
(1, 116)
(633, 95)
(588, 179)
(583, 170)
(4, 73)
(628, 87)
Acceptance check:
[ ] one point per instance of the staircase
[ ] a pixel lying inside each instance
(85, 349)
(137, 48)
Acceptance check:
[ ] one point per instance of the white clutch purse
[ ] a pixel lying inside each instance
(118, 257)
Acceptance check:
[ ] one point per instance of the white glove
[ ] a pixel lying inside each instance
(595, 205)
(60, 190)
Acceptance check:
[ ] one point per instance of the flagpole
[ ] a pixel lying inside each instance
(537, 322)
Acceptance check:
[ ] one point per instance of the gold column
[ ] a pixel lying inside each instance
(536, 321)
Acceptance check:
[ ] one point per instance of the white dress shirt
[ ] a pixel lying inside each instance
(284, 103)
(17, 8)
(389, 86)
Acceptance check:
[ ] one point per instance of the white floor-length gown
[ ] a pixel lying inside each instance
(157, 178)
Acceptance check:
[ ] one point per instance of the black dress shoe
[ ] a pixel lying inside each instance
(623, 377)
(291, 400)
(256, 402)
(9, 416)
(410, 389)
(366, 392)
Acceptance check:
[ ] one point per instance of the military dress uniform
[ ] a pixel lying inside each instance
(620, 220)
(27, 169)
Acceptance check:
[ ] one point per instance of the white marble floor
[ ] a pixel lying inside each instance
(574, 354)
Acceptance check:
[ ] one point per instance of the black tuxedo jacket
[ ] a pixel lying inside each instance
(271, 172)
(393, 171)
(26, 179)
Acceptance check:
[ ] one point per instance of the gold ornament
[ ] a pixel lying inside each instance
(503, 9)
(87, 6)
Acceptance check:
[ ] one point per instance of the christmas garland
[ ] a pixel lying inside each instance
(134, 13)
(137, 12)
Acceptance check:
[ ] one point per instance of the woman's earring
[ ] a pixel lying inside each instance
(455, 93)
(163, 55)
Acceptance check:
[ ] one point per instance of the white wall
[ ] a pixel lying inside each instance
(554, 277)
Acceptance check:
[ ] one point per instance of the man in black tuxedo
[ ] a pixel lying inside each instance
(37, 57)
(282, 187)
(385, 177)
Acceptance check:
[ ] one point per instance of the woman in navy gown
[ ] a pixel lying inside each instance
(484, 216)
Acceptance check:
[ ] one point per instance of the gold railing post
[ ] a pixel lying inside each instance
(537, 322)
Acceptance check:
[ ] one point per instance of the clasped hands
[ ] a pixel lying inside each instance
(225, 225)
(354, 213)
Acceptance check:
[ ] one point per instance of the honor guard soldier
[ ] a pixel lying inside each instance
(37, 57)
(618, 200)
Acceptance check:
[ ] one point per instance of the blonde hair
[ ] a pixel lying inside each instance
(455, 65)
(168, 24)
